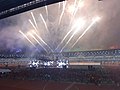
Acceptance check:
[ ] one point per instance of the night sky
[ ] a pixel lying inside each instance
(104, 34)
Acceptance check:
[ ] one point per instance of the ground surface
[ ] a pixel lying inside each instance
(40, 85)
(45, 85)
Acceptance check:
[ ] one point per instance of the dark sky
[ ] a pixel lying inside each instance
(104, 34)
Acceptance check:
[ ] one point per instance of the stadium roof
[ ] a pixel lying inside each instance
(12, 7)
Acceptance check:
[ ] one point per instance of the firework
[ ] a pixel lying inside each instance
(80, 4)
(64, 38)
(34, 19)
(75, 2)
(46, 8)
(93, 22)
(42, 41)
(68, 41)
(71, 8)
(27, 38)
(37, 41)
(59, 5)
(44, 22)
(64, 5)
(78, 24)
(33, 25)
(75, 8)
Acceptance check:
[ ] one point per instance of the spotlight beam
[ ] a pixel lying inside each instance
(44, 22)
(38, 42)
(27, 38)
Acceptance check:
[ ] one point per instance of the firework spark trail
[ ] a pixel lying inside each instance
(46, 8)
(69, 39)
(42, 41)
(27, 38)
(75, 2)
(34, 19)
(33, 25)
(84, 33)
(59, 5)
(44, 22)
(77, 24)
(38, 42)
(76, 10)
(63, 9)
(64, 38)
(67, 42)
(64, 5)
(36, 34)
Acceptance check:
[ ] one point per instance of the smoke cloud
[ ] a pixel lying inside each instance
(103, 35)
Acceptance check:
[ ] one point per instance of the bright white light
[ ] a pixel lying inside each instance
(71, 9)
(61, 64)
(96, 19)
(46, 8)
(34, 63)
(47, 63)
(79, 24)
(30, 32)
(74, 8)
(81, 4)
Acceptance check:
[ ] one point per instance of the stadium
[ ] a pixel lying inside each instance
(59, 45)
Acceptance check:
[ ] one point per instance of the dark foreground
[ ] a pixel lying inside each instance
(42, 85)
(102, 78)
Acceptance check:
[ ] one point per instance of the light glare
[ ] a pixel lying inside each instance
(96, 19)
(71, 9)
(79, 23)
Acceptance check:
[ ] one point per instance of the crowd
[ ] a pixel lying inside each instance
(114, 73)
(94, 75)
